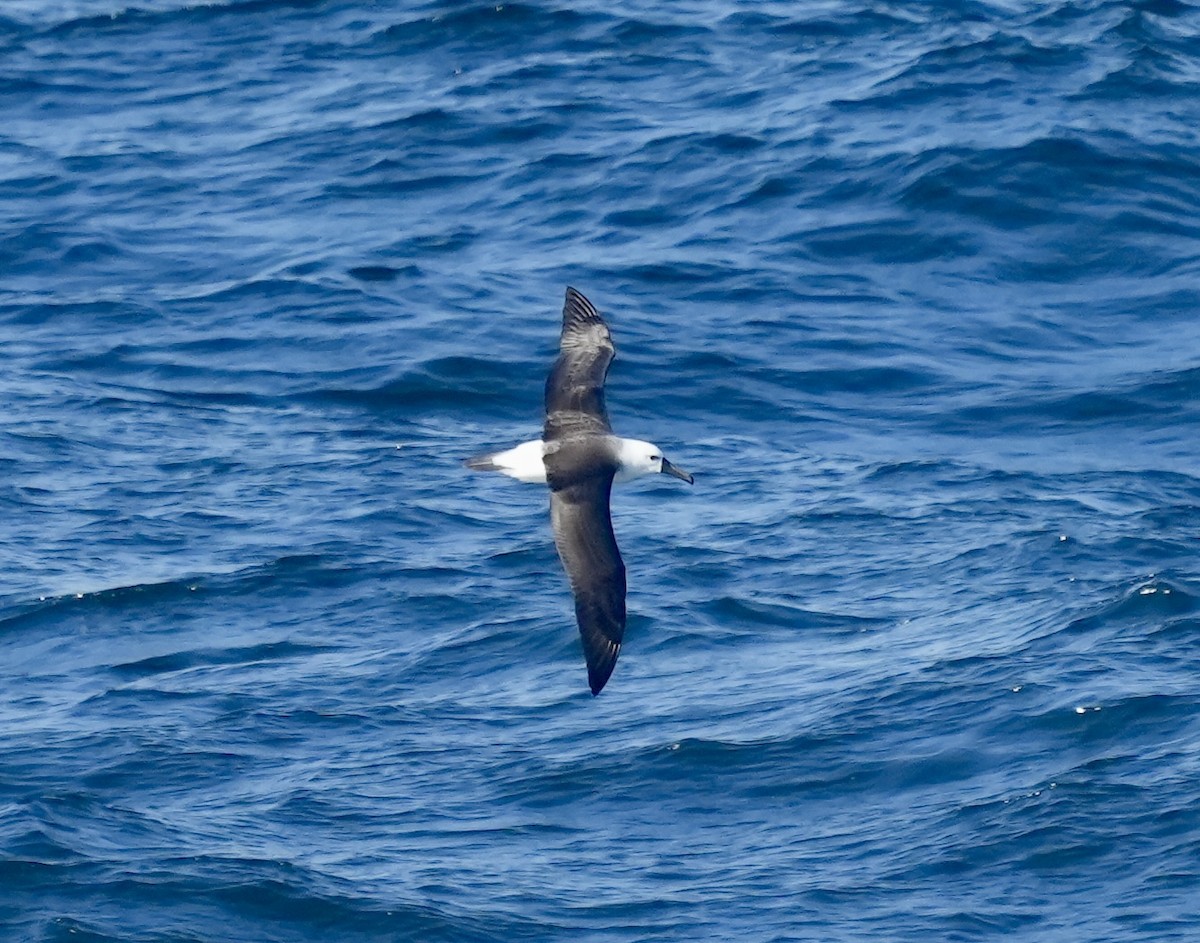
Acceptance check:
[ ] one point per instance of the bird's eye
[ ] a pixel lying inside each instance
(655, 458)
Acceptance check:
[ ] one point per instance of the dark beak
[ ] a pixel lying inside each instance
(669, 469)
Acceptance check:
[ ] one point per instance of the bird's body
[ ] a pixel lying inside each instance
(526, 462)
(579, 457)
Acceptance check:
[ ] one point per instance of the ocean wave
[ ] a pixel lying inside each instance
(289, 571)
(909, 289)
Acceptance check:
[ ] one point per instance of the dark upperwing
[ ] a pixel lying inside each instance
(575, 387)
(587, 547)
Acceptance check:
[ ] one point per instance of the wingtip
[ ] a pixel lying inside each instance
(578, 310)
(600, 669)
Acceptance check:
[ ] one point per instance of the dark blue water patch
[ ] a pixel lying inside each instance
(887, 242)
(769, 189)
(1089, 725)
(140, 21)
(485, 26)
(1025, 188)
(75, 320)
(394, 179)
(968, 69)
(379, 273)
(37, 245)
(295, 903)
(1152, 600)
(46, 186)
(1153, 401)
(645, 216)
(286, 296)
(438, 386)
(745, 616)
(278, 578)
(181, 661)
(813, 28)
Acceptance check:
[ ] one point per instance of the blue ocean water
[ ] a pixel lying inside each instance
(911, 288)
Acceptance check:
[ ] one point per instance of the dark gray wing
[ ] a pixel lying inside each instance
(575, 387)
(584, 536)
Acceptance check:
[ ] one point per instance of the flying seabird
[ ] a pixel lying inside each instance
(579, 458)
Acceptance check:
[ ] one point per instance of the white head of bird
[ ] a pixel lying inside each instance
(640, 458)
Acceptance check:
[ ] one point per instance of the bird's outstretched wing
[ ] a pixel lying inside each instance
(575, 387)
(584, 536)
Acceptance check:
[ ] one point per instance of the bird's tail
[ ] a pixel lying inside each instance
(522, 462)
(483, 462)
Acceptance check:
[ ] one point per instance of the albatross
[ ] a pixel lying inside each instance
(579, 457)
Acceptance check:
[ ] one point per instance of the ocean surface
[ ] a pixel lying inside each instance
(912, 288)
